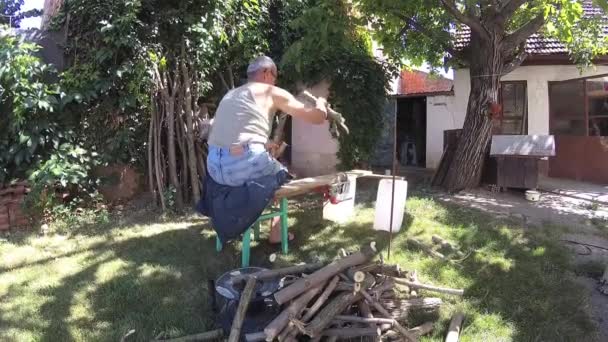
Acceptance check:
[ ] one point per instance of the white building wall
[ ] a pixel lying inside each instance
(451, 116)
(440, 117)
(313, 150)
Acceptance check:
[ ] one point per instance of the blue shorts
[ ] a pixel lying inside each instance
(232, 170)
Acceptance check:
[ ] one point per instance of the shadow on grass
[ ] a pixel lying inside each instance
(522, 275)
(157, 282)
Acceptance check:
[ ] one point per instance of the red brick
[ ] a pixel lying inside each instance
(4, 226)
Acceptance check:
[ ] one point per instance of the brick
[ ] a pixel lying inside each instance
(4, 226)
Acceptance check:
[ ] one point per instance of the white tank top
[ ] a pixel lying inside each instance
(239, 120)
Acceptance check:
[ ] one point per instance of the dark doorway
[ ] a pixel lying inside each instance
(411, 131)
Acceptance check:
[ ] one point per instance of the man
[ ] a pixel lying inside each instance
(239, 139)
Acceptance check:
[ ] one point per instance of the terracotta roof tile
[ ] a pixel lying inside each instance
(412, 82)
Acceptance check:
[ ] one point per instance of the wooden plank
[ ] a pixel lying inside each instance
(306, 185)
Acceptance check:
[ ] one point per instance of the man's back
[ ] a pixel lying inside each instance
(244, 115)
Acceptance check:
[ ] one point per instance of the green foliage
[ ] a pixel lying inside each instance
(28, 125)
(107, 85)
(11, 14)
(332, 46)
(418, 31)
(65, 173)
(108, 50)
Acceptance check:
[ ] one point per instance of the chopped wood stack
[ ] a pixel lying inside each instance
(352, 297)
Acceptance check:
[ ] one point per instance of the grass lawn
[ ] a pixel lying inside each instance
(149, 273)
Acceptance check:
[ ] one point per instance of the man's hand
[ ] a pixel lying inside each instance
(272, 148)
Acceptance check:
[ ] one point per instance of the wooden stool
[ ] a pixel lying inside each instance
(255, 229)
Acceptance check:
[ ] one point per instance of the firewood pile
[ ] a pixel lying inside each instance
(352, 297)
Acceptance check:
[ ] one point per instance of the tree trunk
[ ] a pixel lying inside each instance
(170, 112)
(150, 146)
(464, 169)
(159, 159)
(194, 179)
(181, 142)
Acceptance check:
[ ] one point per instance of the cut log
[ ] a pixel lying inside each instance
(356, 319)
(400, 308)
(281, 272)
(335, 307)
(380, 268)
(406, 334)
(455, 328)
(274, 328)
(418, 331)
(427, 249)
(321, 300)
(206, 336)
(324, 274)
(414, 279)
(237, 323)
(417, 285)
(291, 330)
(364, 309)
(352, 332)
(255, 337)
(423, 329)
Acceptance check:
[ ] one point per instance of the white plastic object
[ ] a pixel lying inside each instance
(532, 195)
(343, 211)
(382, 215)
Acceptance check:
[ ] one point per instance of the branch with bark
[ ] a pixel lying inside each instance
(469, 20)
(522, 34)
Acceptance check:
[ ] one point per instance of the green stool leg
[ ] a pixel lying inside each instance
(256, 231)
(246, 248)
(218, 244)
(284, 233)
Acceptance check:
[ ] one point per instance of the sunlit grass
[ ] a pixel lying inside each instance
(150, 274)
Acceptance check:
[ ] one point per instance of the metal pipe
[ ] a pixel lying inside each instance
(390, 237)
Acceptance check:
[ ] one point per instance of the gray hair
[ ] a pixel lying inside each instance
(260, 63)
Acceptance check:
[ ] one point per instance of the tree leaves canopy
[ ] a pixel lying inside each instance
(417, 31)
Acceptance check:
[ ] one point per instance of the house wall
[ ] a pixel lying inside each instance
(313, 150)
(451, 115)
(440, 116)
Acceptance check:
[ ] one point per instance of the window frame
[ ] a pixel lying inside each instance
(587, 117)
(524, 117)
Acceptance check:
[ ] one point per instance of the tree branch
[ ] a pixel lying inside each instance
(418, 27)
(516, 61)
(524, 32)
(470, 21)
(510, 6)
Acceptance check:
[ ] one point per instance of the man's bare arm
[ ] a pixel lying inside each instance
(287, 103)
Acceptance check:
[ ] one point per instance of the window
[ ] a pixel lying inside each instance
(579, 107)
(514, 116)
(597, 96)
(567, 107)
